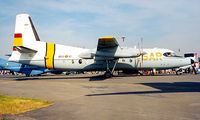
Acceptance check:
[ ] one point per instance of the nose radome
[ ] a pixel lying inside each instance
(192, 61)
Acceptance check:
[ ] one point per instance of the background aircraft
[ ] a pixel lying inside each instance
(190, 68)
(109, 56)
(28, 70)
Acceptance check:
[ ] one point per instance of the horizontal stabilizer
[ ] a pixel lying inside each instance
(22, 49)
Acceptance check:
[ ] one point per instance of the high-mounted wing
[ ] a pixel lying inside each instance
(108, 48)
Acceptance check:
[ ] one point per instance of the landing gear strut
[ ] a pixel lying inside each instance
(109, 73)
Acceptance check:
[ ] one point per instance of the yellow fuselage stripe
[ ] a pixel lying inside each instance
(49, 58)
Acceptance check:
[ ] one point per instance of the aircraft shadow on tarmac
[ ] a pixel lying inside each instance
(175, 87)
(91, 78)
(99, 77)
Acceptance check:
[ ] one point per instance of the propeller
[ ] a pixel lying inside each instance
(141, 52)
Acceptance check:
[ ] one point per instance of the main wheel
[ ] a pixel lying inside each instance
(108, 74)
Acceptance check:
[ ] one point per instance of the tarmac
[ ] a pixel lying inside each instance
(91, 97)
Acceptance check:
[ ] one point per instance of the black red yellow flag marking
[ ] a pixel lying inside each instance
(17, 39)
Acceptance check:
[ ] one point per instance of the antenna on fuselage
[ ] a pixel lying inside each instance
(123, 39)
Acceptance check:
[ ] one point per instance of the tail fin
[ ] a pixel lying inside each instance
(25, 32)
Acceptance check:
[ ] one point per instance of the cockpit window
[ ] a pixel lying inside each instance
(167, 54)
(170, 54)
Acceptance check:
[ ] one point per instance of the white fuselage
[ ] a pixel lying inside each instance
(68, 58)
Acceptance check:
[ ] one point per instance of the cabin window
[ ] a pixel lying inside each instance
(72, 61)
(131, 60)
(80, 61)
(123, 60)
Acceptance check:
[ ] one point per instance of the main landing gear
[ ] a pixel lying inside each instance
(109, 72)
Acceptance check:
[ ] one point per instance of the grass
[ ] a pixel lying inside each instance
(14, 105)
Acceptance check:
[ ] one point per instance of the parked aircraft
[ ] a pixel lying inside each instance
(108, 56)
(28, 70)
(190, 68)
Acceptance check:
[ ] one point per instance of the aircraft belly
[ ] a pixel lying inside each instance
(88, 65)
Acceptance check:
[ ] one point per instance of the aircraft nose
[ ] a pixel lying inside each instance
(192, 61)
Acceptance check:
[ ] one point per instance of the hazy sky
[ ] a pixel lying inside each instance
(173, 24)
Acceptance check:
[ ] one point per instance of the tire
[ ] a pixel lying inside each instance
(108, 74)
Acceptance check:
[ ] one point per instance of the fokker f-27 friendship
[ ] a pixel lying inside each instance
(108, 56)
